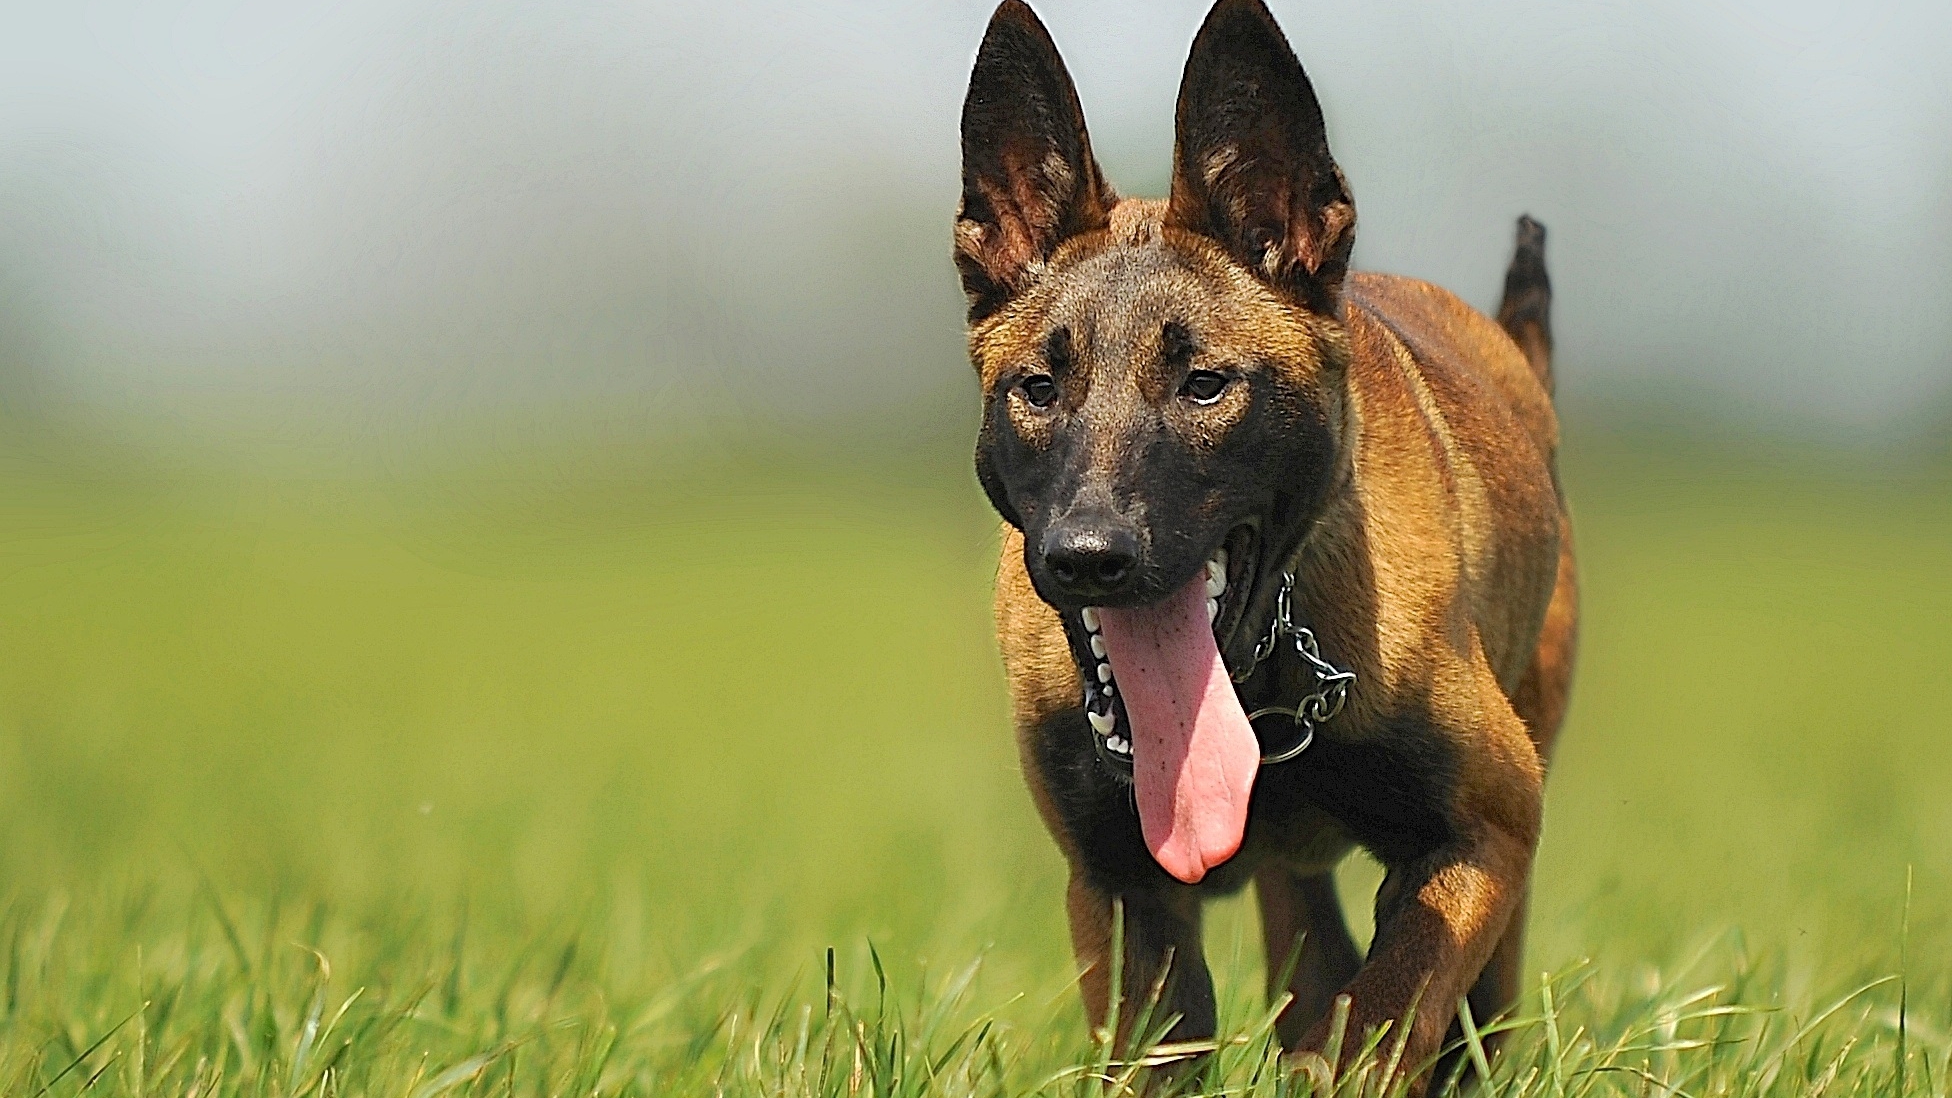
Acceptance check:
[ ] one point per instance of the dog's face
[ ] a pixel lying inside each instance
(1161, 380)
(1146, 405)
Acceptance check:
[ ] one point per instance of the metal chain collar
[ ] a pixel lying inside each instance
(1331, 691)
(1332, 683)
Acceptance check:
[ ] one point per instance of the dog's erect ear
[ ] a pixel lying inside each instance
(1028, 179)
(1251, 166)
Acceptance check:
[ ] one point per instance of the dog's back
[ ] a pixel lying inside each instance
(1463, 369)
(1470, 450)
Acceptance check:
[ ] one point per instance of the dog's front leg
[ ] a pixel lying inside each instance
(1440, 916)
(1164, 963)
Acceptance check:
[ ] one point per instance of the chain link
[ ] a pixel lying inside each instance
(1331, 691)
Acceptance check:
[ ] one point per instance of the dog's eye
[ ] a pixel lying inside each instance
(1039, 390)
(1203, 386)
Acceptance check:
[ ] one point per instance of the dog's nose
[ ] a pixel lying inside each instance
(1091, 558)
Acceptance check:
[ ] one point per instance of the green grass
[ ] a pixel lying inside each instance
(566, 784)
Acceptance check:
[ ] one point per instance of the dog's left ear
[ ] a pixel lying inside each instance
(1028, 177)
(1251, 166)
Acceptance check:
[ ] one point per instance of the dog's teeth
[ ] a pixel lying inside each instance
(1216, 579)
(1220, 558)
(1212, 610)
(1105, 673)
(1110, 690)
(1098, 646)
(1090, 617)
(1119, 745)
(1102, 722)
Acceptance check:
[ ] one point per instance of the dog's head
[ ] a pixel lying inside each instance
(1161, 380)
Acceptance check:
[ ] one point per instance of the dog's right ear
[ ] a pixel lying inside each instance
(1028, 178)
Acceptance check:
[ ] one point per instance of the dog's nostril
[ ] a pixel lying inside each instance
(1090, 560)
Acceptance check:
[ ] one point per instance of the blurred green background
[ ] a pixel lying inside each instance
(769, 680)
(484, 495)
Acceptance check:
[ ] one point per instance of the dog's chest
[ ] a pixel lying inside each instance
(1388, 791)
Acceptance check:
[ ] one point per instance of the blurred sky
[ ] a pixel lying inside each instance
(381, 215)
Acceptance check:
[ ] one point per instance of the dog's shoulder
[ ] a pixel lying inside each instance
(1468, 364)
(1454, 464)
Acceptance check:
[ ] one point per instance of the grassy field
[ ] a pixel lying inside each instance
(568, 784)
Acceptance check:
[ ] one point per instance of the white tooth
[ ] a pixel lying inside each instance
(1105, 672)
(1103, 722)
(1220, 558)
(1110, 690)
(1212, 610)
(1090, 617)
(1119, 745)
(1216, 580)
(1098, 646)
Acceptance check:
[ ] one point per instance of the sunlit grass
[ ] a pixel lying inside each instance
(568, 784)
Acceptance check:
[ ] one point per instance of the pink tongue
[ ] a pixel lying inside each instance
(1193, 753)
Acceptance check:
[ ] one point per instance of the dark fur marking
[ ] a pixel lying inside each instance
(1020, 121)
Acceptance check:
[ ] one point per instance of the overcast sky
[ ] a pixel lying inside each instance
(406, 210)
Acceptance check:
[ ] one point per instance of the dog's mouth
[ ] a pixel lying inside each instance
(1228, 586)
(1162, 707)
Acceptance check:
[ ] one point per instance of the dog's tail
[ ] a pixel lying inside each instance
(1526, 312)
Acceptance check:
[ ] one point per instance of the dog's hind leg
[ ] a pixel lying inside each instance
(1541, 697)
(1527, 309)
(1302, 925)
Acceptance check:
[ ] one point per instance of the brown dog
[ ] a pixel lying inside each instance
(1191, 405)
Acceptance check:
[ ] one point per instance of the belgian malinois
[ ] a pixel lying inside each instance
(1286, 568)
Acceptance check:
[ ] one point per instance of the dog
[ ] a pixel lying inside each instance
(1286, 567)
